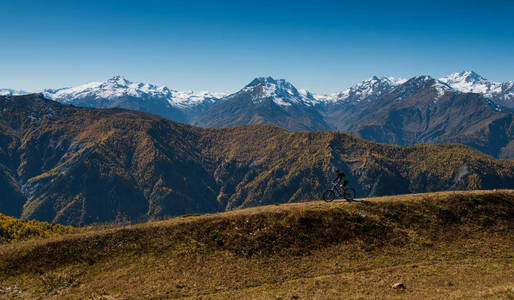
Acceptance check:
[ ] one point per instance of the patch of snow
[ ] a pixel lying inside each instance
(368, 90)
(441, 89)
(187, 99)
(11, 92)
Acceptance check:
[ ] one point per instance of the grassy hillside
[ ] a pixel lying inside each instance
(441, 245)
(70, 165)
(12, 229)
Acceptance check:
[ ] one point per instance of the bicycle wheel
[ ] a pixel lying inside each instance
(329, 195)
(349, 194)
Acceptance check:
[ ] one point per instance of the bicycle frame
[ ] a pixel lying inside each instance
(336, 188)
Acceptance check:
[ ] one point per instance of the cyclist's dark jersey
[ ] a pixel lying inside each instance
(341, 177)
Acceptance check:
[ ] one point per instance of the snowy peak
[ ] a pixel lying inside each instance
(464, 82)
(11, 92)
(376, 84)
(420, 81)
(108, 92)
(471, 82)
(367, 90)
(424, 83)
(271, 86)
(110, 89)
(280, 91)
(268, 81)
(191, 99)
(118, 89)
(415, 84)
(464, 76)
(119, 80)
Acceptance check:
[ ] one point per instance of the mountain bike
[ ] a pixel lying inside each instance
(347, 193)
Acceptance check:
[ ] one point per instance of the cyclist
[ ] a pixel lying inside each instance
(341, 177)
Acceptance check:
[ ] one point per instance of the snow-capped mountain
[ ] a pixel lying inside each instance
(120, 92)
(191, 99)
(422, 82)
(11, 92)
(426, 110)
(471, 82)
(462, 107)
(112, 88)
(107, 94)
(464, 82)
(367, 90)
(280, 91)
(265, 100)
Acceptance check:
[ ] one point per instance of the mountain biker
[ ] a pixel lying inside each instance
(341, 177)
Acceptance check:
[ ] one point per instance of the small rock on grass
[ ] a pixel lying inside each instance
(399, 286)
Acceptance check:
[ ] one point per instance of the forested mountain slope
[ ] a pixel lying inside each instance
(75, 165)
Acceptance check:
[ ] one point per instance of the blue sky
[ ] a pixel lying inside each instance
(322, 46)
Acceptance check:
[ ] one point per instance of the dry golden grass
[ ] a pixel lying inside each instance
(450, 245)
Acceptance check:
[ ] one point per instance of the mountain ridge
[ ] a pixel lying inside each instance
(76, 165)
(465, 81)
(469, 81)
(367, 109)
(12, 92)
(120, 92)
